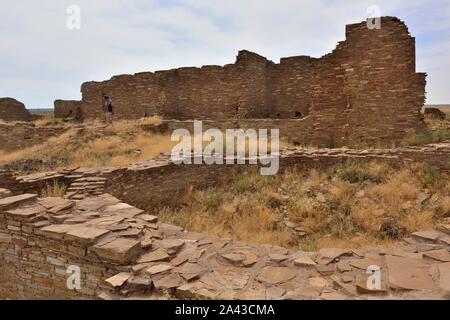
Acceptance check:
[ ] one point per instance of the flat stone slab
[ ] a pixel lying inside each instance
(148, 218)
(171, 281)
(51, 202)
(326, 256)
(157, 255)
(159, 268)
(430, 235)
(56, 231)
(120, 250)
(14, 201)
(439, 255)
(276, 275)
(5, 193)
(409, 274)
(27, 213)
(118, 280)
(304, 261)
(444, 276)
(85, 234)
(171, 246)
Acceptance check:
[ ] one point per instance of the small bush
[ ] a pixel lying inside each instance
(432, 176)
(242, 185)
(435, 135)
(212, 199)
(354, 174)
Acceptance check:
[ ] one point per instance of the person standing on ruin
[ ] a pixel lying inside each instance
(108, 108)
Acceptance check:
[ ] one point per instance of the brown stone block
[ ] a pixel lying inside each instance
(120, 251)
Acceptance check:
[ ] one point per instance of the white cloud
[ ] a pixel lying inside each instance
(42, 60)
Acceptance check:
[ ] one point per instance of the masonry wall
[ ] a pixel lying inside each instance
(34, 265)
(13, 110)
(365, 92)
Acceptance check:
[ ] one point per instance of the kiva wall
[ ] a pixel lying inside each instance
(365, 92)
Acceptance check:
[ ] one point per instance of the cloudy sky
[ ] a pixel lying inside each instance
(41, 59)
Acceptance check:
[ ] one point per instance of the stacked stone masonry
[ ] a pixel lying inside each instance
(124, 252)
(365, 92)
(13, 110)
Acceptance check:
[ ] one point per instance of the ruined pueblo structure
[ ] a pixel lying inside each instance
(104, 230)
(13, 110)
(365, 92)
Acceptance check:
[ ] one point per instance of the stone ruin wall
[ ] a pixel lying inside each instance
(13, 110)
(39, 240)
(365, 92)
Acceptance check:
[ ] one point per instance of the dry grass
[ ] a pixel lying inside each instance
(342, 207)
(154, 120)
(54, 189)
(121, 144)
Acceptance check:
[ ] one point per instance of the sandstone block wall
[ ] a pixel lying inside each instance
(13, 110)
(365, 92)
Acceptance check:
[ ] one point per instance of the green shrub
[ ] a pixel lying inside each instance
(430, 136)
(353, 174)
(212, 199)
(242, 185)
(432, 176)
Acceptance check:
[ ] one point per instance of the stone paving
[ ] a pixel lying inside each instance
(159, 261)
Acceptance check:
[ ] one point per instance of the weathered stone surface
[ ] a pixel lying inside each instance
(118, 280)
(171, 281)
(5, 193)
(304, 261)
(369, 260)
(431, 235)
(85, 234)
(444, 276)
(28, 212)
(171, 246)
(149, 218)
(156, 255)
(407, 273)
(191, 271)
(250, 260)
(439, 255)
(121, 251)
(139, 283)
(276, 275)
(56, 231)
(14, 201)
(318, 282)
(159, 268)
(234, 258)
(326, 256)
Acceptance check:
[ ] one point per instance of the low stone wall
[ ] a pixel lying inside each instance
(123, 252)
(21, 135)
(153, 184)
(295, 130)
(33, 263)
